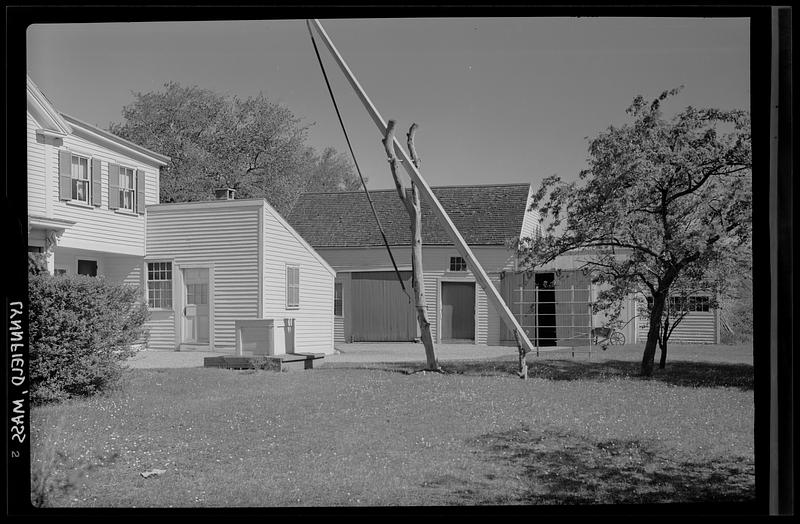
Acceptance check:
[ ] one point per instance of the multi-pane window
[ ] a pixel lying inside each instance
(292, 287)
(337, 299)
(127, 188)
(159, 285)
(680, 304)
(458, 264)
(80, 179)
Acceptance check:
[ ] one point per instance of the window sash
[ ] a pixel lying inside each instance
(292, 287)
(458, 264)
(127, 188)
(80, 190)
(337, 299)
(80, 167)
(127, 199)
(159, 285)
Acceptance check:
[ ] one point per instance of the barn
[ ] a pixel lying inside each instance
(370, 305)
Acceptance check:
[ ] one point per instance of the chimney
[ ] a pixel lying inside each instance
(224, 193)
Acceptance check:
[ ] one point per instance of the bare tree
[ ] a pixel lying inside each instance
(412, 205)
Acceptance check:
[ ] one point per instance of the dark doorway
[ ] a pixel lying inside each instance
(458, 311)
(546, 307)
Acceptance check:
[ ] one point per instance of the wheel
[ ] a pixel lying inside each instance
(617, 338)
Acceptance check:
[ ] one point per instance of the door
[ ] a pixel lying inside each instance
(458, 311)
(545, 305)
(380, 311)
(195, 311)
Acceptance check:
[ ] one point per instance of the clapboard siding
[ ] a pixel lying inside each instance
(224, 237)
(101, 228)
(314, 324)
(124, 270)
(530, 220)
(161, 330)
(338, 329)
(697, 327)
(37, 171)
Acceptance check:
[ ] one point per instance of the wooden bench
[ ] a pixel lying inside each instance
(285, 362)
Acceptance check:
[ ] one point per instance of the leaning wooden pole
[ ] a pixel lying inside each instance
(458, 241)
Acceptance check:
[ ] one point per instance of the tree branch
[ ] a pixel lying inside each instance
(388, 144)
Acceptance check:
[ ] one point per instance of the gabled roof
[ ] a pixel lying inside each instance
(483, 214)
(60, 125)
(44, 112)
(111, 140)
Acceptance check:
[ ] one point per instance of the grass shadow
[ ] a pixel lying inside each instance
(551, 467)
(678, 373)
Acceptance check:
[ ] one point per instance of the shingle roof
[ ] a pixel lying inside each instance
(483, 214)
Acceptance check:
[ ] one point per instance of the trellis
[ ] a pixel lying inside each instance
(553, 318)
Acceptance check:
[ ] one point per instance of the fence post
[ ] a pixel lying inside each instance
(536, 315)
(591, 320)
(521, 301)
(572, 318)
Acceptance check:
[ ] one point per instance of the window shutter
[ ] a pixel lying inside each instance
(113, 186)
(64, 175)
(97, 187)
(140, 191)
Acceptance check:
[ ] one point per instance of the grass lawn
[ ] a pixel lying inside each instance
(579, 431)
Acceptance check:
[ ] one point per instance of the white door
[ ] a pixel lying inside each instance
(195, 312)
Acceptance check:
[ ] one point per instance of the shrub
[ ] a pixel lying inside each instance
(37, 264)
(82, 329)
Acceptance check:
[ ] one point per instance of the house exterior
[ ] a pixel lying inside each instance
(87, 194)
(369, 302)
(211, 272)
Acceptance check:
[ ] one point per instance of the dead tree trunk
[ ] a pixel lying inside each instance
(412, 205)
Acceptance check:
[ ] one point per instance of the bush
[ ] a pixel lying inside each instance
(82, 329)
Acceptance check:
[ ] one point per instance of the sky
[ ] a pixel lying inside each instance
(497, 100)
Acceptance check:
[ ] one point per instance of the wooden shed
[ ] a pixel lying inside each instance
(224, 266)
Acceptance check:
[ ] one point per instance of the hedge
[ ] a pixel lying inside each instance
(82, 329)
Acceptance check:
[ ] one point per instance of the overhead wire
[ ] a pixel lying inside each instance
(355, 162)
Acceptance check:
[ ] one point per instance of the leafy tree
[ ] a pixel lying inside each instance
(254, 146)
(665, 205)
(333, 172)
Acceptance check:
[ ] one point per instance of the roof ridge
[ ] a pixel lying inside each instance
(509, 184)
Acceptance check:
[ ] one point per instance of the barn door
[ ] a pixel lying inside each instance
(458, 311)
(380, 311)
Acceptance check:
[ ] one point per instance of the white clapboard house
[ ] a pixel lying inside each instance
(205, 268)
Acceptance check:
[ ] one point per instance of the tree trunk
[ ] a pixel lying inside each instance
(663, 345)
(412, 206)
(418, 282)
(653, 332)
